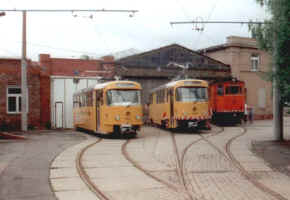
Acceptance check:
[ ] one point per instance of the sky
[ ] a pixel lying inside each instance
(71, 35)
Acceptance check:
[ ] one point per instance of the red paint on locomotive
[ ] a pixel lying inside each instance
(227, 100)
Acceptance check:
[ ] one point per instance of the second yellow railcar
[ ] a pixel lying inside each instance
(181, 104)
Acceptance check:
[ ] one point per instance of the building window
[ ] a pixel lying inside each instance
(255, 62)
(14, 100)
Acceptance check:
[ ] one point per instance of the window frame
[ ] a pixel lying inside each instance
(255, 58)
(122, 90)
(177, 97)
(220, 90)
(18, 100)
(229, 89)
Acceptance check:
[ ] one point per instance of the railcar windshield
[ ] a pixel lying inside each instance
(233, 90)
(191, 94)
(123, 97)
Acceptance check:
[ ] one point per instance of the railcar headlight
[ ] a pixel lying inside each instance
(138, 117)
(117, 117)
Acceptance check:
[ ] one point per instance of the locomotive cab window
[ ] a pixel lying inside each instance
(220, 90)
(123, 97)
(191, 94)
(233, 90)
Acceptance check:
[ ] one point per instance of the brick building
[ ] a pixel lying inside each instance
(248, 63)
(50, 80)
(10, 94)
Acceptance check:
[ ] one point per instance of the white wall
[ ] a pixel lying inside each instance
(62, 89)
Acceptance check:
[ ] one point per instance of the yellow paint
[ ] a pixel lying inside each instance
(86, 117)
(159, 112)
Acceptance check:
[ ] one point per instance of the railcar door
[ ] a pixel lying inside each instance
(171, 100)
(99, 95)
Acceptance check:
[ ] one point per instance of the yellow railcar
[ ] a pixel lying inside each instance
(112, 108)
(181, 104)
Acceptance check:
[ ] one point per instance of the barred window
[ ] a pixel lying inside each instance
(255, 60)
(14, 100)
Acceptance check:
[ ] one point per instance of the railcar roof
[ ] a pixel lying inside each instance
(172, 83)
(103, 85)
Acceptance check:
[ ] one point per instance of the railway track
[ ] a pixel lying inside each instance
(184, 185)
(85, 177)
(181, 159)
(247, 175)
(147, 172)
(179, 165)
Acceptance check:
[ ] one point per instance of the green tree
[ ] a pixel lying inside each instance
(274, 37)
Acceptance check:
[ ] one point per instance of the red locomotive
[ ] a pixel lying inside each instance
(227, 99)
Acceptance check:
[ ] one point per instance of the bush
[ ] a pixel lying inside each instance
(30, 127)
(48, 125)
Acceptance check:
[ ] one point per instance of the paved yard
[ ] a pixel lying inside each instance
(225, 163)
(24, 164)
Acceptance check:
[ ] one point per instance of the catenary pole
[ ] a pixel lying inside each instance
(24, 91)
(277, 118)
(277, 106)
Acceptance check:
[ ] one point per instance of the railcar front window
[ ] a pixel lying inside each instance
(123, 97)
(190, 94)
(233, 90)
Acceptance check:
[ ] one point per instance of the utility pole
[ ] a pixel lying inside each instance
(277, 115)
(24, 91)
(277, 106)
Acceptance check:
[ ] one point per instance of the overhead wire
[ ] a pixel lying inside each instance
(102, 38)
(201, 32)
(76, 51)
(91, 18)
(12, 4)
(208, 18)
(57, 48)
(9, 52)
(182, 8)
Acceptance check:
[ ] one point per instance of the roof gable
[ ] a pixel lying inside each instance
(161, 57)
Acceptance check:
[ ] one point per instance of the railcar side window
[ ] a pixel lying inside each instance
(160, 96)
(151, 98)
(76, 103)
(90, 98)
